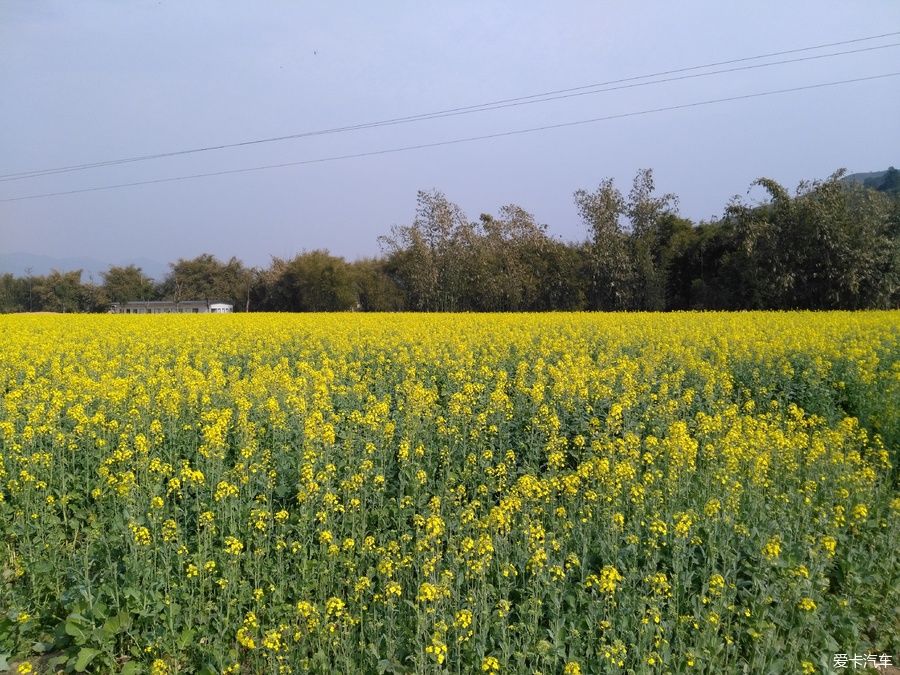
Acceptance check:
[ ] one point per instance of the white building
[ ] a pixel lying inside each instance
(169, 307)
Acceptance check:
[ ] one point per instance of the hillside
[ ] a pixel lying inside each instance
(883, 181)
(22, 264)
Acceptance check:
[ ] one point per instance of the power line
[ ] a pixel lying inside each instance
(455, 141)
(626, 83)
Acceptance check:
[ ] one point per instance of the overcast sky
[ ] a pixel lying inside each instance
(96, 80)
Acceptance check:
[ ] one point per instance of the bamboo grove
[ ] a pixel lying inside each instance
(833, 244)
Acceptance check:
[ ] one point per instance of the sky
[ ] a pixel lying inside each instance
(100, 80)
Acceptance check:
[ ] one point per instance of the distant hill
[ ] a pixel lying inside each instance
(19, 264)
(883, 181)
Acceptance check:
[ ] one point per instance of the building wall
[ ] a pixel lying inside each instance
(161, 308)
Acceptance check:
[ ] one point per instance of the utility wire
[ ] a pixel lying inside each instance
(455, 141)
(626, 83)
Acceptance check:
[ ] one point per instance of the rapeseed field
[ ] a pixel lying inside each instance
(557, 493)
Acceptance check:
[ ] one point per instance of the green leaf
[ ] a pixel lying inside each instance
(75, 626)
(116, 624)
(185, 639)
(130, 668)
(85, 656)
(131, 592)
(57, 661)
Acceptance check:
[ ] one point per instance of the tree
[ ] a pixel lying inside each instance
(830, 246)
(60, 292)
(507, 253)
(207, 278)
(562, 269)
(14, 293)
(890, 183)
(428, 259)
(647, 213)
(375, 289)
(313, 281)
(125, 284)
(675, 236)
(610, 264)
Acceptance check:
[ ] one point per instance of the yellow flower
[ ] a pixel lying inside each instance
(140, 534)
(659, 583)
(245, 639)
(507, 451)
(772, 549)
(606, 582)
(272, 640)
(428, 592)
(463, 619)
(393, 589)
(169, 530)
(683, 523)
(437, 650)
(233, 545)
(490, 665)
(224, 490)
(712, 508)
(362, 585)
(658, 527)
(335, 608)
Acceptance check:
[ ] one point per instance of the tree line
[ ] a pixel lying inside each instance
(831, 244)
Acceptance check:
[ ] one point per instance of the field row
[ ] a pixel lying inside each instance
(559, 493)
